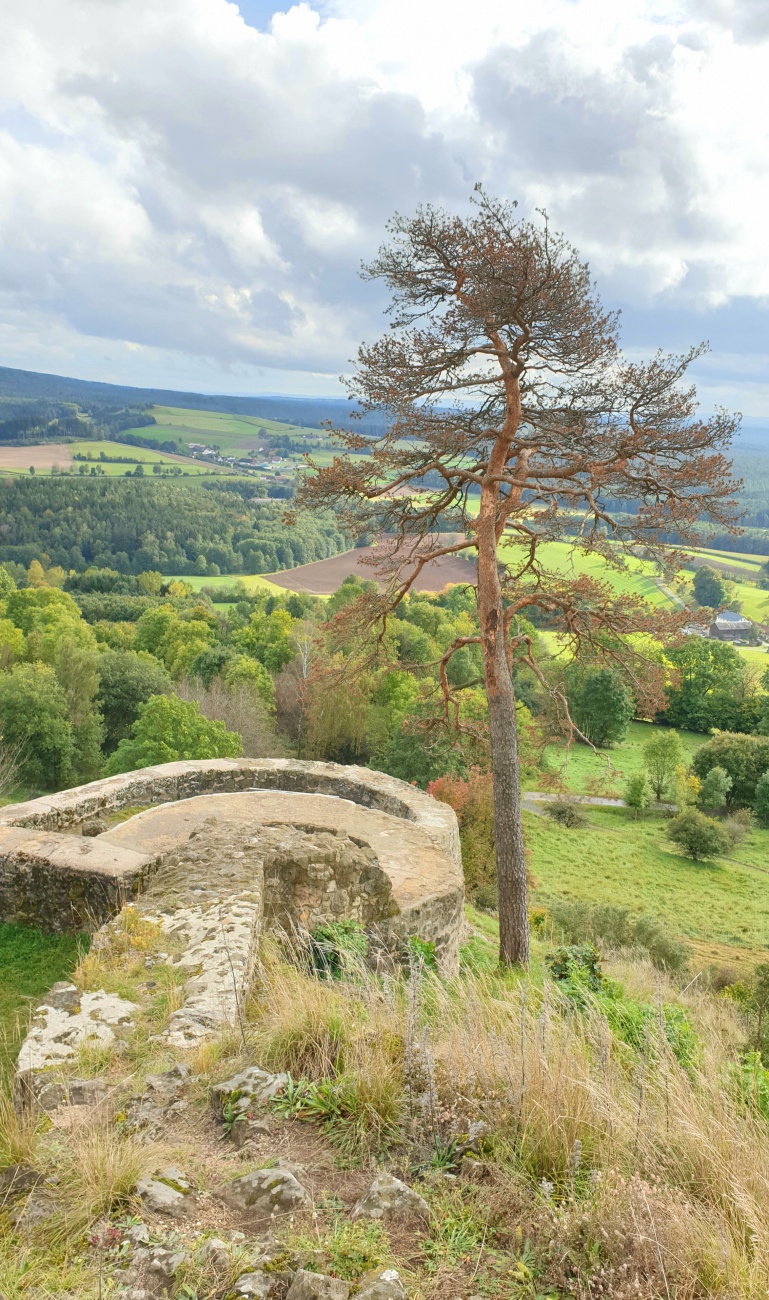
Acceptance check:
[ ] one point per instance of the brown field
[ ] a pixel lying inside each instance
(42, 457)
(324, 576)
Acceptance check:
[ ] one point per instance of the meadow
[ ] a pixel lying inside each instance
(582, 770)
(231, 433)
(619, 860)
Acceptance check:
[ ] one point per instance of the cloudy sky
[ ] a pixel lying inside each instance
(187, 187)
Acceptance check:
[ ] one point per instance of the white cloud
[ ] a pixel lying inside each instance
(178, 181)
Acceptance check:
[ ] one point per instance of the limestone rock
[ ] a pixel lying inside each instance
(314, 1286)
(266, 1191)
(389, 1198)
(381, 1284)
(16, 1181)
(152, 1272)
(254, 1284)
(250, 1088)
(165, 1192)
(245, 1130)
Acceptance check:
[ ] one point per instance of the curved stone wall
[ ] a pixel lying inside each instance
(405, 879)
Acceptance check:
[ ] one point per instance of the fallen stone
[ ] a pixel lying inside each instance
(72, 1092)
(254, 1284)
(39, 1207)
(381, 1284)
(216, 1252)
(152, 1272)
(314, 1286)
(389, 1198)
(251, 1087)
(245, 1130)
(16, 1181)
(93, 827)
(266, 1191)
(160, 1198)
(174, 1177)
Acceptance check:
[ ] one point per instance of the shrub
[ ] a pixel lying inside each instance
(618, 928)
(638, 792)
(579, 965)
(761, 804)
(715, 788)
(698, 836)
(567, 813)
(737, 826)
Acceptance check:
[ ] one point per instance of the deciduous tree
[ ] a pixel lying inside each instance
(515, 422)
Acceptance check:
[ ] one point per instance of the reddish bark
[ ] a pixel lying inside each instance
(502, 376)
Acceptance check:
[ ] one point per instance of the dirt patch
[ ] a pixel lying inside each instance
(324, 576)
(42, 456)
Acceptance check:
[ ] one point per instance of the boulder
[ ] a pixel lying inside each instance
(16, 1181)
(381, 1284)
(266, 1191)
(389, 1198)
(253, 1284)
(314, 1286)
(250, 1088)
(165, 1192)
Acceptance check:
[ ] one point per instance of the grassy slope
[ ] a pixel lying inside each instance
(616, 859)
(30, 962)
(233, 433)
(581, 768)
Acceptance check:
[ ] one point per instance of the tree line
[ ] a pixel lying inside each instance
(133, 525)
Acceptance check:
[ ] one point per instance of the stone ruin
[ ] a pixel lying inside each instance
(216, 852)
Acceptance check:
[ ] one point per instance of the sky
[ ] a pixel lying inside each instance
(188, 188)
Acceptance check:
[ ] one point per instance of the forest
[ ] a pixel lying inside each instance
(132, 525)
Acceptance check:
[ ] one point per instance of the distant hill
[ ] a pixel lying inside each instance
(309, 412)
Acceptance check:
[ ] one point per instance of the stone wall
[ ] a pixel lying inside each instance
(381, 851)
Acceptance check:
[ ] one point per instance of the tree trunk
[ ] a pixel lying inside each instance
(503, 733)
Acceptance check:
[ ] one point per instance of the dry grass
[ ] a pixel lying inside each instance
(632, 1174)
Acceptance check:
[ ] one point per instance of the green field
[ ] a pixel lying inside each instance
(145, 455)
(616, 859)
(232, 433)
(582, 770)
(30, 962)
(637, 576)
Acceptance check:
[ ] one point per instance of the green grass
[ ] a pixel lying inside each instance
(145, 455)
(630, 863)
(30, 962)
(232, 433)
(582, 769)
(637, 577)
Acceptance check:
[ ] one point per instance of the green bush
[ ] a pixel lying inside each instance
(698, 836)
(578, 965)
(337, 948)
(761, 804)
(617, 928)
(567, 813)
(638, 792)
